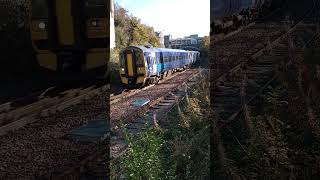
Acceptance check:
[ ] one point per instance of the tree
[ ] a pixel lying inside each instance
(130, 31)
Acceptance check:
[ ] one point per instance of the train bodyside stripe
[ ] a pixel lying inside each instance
(65, 22)
(130, 64)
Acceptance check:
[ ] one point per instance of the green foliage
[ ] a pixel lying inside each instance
(187, 139)
(142, 160)
(204, 50)
(130, 31)
(180, 151)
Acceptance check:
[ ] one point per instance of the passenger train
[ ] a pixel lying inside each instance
(71, 38)
(143, 65)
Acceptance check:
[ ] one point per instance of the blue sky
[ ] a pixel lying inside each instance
(176, 17)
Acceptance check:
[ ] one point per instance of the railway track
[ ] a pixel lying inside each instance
(40, 146)
(238, 86)
(160, 97)
(127, 93)
(154, 114)
(94, 165)
(228, 54)
(19, 113)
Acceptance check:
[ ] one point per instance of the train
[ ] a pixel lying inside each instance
(70, 39)
(144, 65)
(229, 15)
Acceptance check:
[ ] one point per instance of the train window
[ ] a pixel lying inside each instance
(139, 58)
(148, 60)
(39, 9)
(161, 59)
(96, 8)
(122, 60)
(153, 60)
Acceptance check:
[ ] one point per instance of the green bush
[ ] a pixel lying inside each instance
(179, 151)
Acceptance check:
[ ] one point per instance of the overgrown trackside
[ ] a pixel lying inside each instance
(178, 149)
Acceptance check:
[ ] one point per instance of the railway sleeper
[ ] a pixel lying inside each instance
(259, 71)
(139, 121)
(224, 88)
(264, 62)
(164, 104)
(216, 96)
(228, 92)
(232, 84)
(168, 101)
(233, 89)
(255, 76)
(230, 101)
(226, 115)
(264, 65)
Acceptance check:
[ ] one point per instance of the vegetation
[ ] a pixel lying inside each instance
(14, 34)
(204, 51)
(130, 31)
(177, 150)
(284, 140)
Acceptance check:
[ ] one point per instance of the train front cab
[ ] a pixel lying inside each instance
(133, 67)
(71, 37)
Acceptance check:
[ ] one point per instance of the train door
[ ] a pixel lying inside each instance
(53, 31)
(152, 64)
(161, 62)
(129, 63)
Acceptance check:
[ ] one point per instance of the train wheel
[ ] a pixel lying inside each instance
(167, 74)
(147, 83)
(157, 80)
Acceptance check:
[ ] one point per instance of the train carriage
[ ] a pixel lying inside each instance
(71, 37)
(140, 65)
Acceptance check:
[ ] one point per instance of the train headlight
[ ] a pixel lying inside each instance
(94, 23)
(42, 25)
(122, 69)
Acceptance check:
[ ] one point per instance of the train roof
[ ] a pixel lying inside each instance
(145, 49)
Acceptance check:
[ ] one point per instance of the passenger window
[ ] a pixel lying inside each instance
(139, 58)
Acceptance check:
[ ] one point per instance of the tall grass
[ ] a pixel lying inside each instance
(177, 149)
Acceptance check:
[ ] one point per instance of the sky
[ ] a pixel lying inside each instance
(179, 18)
